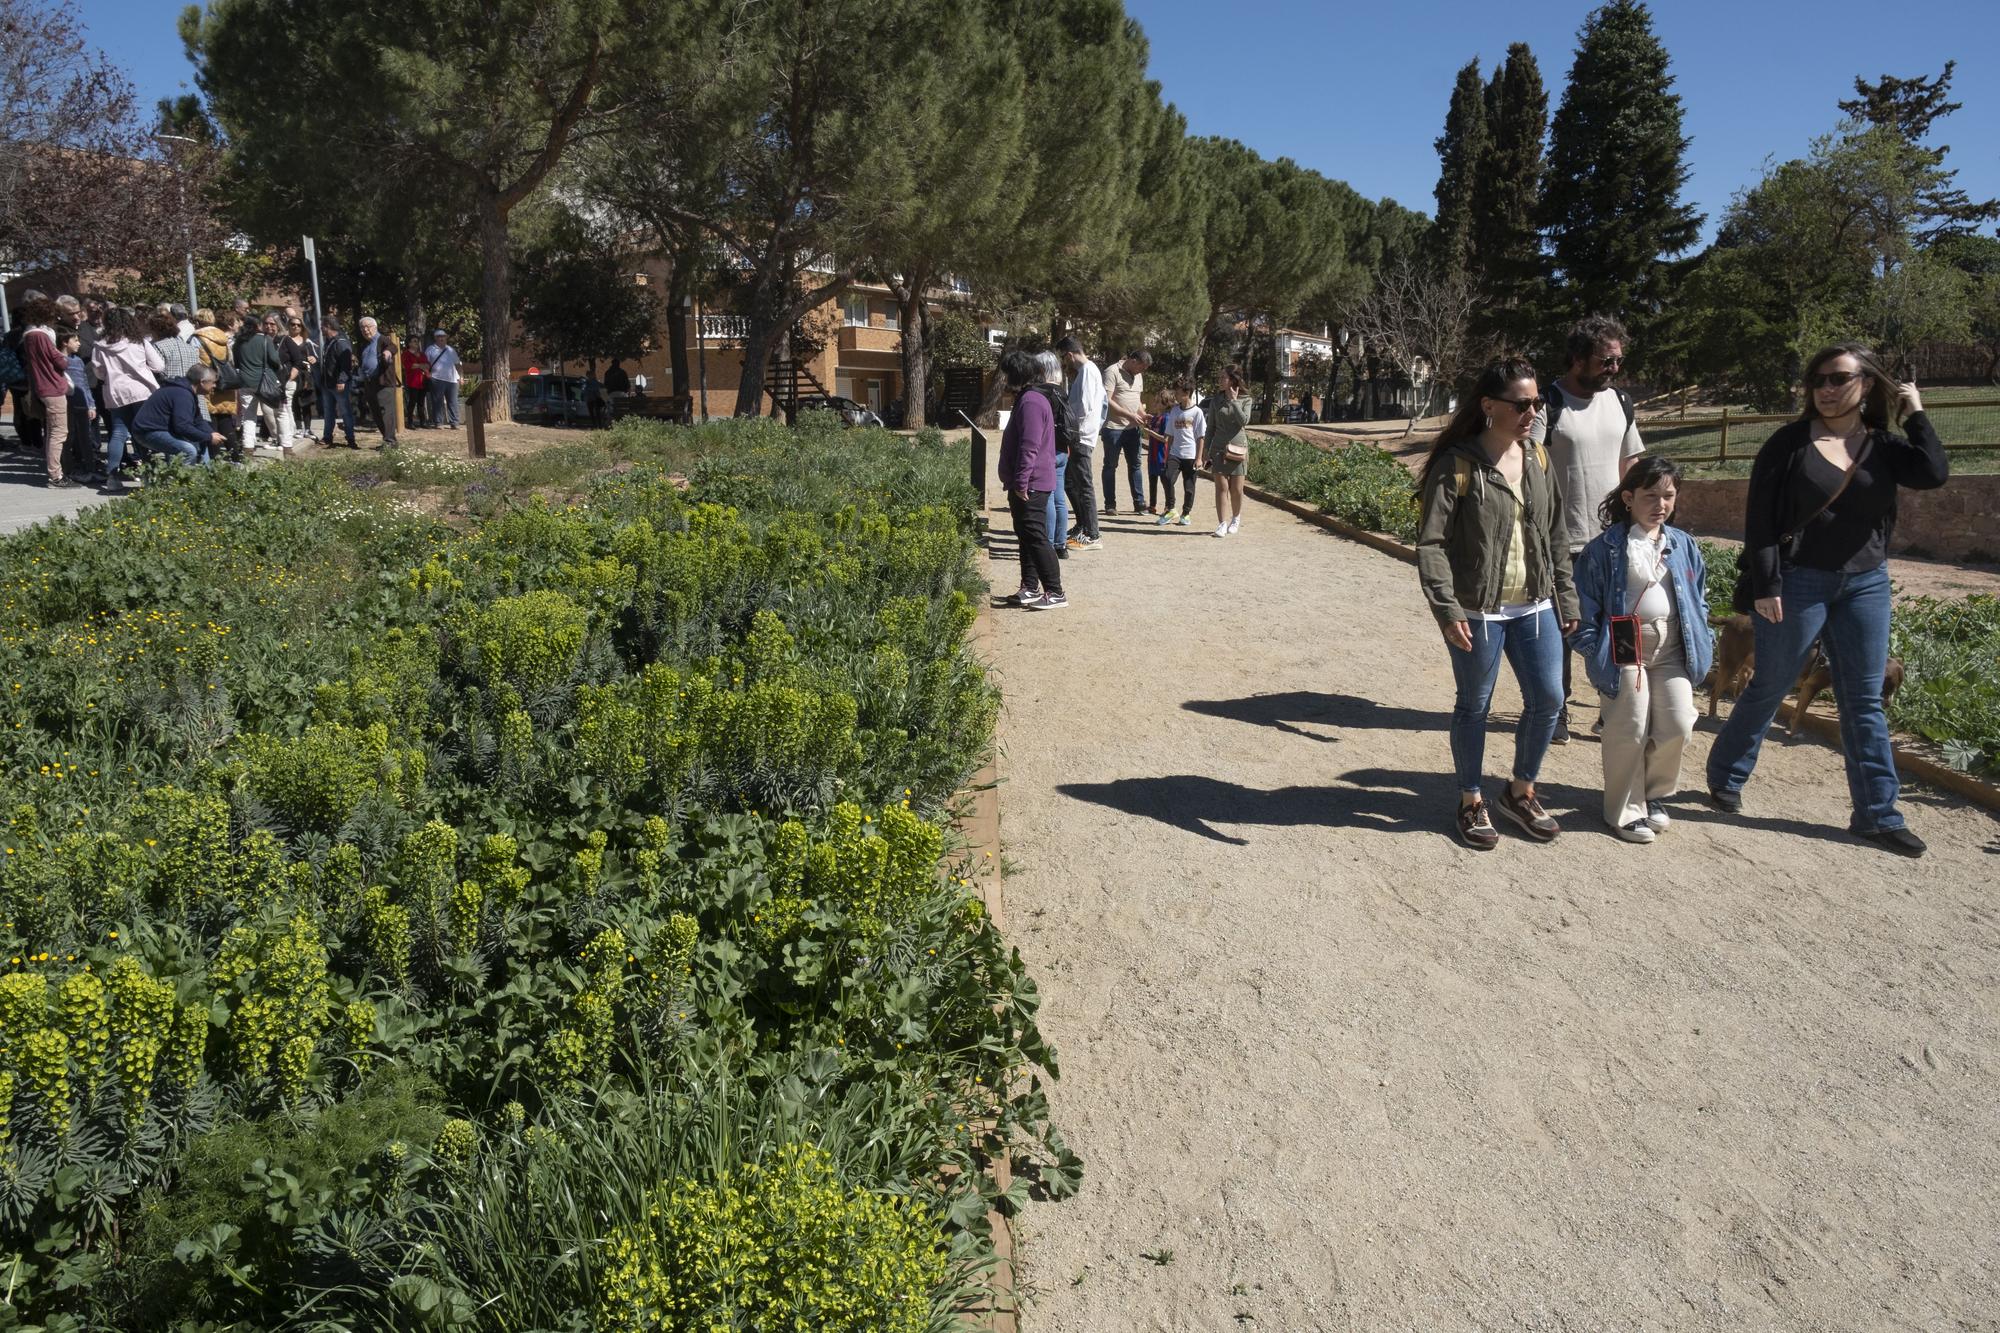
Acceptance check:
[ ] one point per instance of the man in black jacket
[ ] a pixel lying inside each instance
(336, 382)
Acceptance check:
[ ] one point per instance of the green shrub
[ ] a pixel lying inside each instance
(1356, 483)
(778, 1244)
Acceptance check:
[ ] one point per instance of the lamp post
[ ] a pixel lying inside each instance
(181, 182)
(700, 352)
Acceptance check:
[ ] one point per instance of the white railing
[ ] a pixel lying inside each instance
(724, 328)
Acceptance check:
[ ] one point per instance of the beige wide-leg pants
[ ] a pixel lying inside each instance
(1647, 725)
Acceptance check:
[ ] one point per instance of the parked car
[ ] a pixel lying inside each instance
(851, 412)
(540, 398)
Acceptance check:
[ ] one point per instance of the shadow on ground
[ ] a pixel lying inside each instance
(1285, 710)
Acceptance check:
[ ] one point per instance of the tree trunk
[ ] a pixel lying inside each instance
(678, 312)
(413, 317)
(776, 305)
(1200, 347)
(496, 304)
(916, 349)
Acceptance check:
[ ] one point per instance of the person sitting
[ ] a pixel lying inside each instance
(169, 421)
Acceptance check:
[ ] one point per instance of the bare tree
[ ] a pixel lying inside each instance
(1419, 318)
(83, 182)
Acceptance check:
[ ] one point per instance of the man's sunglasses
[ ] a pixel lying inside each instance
(1833, 379)
(1611, 362)
(1523, 405)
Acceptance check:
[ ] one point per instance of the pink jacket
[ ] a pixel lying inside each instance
(128, 371)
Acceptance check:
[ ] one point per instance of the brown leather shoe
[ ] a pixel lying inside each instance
(1475, 827)
(1528, 813)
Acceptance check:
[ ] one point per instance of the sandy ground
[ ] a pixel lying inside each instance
(1330, 1070)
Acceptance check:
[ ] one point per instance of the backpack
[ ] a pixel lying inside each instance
(11, 370)
(1556, 400)
(1067, 435)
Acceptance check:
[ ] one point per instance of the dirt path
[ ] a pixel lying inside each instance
(1331, 1071)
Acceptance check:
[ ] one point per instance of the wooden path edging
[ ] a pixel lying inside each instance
(980, 826)
(1823, 728)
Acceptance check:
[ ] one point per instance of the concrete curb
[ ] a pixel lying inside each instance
(1910, 759)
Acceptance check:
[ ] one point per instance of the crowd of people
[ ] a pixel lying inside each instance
(1545, 534)
(97, 388)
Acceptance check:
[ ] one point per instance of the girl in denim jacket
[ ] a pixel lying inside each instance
(1640, 566)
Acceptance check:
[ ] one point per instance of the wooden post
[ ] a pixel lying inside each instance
(1722, 453)
(475, 422)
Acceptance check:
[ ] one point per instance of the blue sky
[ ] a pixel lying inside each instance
(1359, 92)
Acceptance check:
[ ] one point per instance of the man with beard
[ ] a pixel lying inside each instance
(1592, 436)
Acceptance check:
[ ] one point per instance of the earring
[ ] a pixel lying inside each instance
(1489, 421)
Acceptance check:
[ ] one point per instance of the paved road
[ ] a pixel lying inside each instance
(25, 500)
(1329, 1070)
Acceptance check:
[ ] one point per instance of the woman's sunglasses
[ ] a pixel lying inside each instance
(1523, 405)
(1833, 379)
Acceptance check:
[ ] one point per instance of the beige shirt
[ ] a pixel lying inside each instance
(1125, 393)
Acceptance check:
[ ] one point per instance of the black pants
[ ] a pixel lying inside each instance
(1079, 485)
(1183, 468)
(1039, 567)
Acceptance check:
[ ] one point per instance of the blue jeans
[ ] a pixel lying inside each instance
(336, 403)
(166, 442)
(444, 403)
(1534, 646)
(121, 434)
(1126, 440)
(1058, 507)
(1849, 613)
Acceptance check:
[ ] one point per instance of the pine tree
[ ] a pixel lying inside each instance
(1909, 108)
(1506, 237)
(1460, 149)
(1611, 204)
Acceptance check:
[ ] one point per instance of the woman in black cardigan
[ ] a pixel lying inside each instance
(1821, 510)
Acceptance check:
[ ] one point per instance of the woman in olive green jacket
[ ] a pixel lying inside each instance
(1495, 569)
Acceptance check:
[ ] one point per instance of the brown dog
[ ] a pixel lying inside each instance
(1818, 676)
(1736, 661)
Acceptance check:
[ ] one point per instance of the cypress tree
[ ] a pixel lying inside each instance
(1460, 149)
(1506, 235)
(1611, 204)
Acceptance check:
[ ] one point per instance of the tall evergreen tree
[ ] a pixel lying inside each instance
(1909, 108)
(1611, 203)
(1506, 235)
(1460, 150)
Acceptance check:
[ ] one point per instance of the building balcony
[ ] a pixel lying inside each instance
(723, 328)
(866, 338)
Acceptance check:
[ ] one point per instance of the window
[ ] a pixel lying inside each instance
(892, 316)
(856, 308)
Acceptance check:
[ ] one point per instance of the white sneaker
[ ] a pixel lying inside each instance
(1636, 831)
(1236, 523)
(1222, 530)
(1657, 817)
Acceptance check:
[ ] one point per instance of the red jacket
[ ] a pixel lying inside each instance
(415, 369)
(48, 368)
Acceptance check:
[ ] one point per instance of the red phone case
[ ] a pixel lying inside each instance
(1625, 641)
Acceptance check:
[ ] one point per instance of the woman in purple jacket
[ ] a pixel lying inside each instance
(1028, 471)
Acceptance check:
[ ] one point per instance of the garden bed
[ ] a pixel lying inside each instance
(508, 897)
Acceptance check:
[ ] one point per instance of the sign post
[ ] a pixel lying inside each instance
(312, 261)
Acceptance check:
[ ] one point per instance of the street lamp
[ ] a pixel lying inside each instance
(181, 182)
